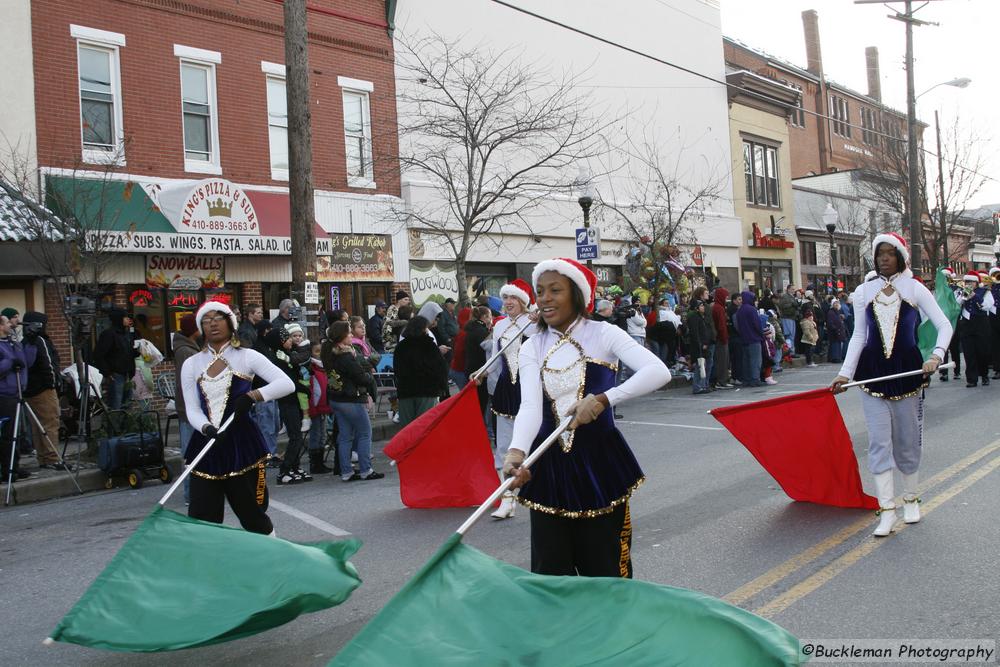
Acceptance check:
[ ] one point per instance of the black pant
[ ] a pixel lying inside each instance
(995, 342)
(291, 417)
(597, 547)
(976, 348)
(8, 406)
(246, 493)
(954, 352)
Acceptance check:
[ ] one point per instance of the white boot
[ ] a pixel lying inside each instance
(887, 508)
(911, 502)
(507, 505)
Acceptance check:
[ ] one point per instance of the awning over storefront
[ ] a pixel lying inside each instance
(211, 216)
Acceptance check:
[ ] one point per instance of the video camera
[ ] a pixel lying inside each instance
(78, 305)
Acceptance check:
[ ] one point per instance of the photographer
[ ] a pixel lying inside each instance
(43, 380)
(115, 357)
(13, 366)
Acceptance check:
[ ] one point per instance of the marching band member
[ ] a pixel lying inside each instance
(578, 491)
(884, 343)
(977, 306)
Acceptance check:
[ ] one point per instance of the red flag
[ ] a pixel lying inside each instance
(802, 442)
(444, 456)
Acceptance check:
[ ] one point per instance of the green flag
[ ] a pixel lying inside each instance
(179, 582)
(945, 297)
(466, 608)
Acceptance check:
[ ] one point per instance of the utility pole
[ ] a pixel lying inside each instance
(913, 169)
(300, 188)
(942, 218)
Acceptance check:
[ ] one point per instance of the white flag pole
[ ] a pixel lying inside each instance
(201, 455)
(950, 364)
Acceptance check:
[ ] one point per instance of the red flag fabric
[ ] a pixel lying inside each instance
(444, 456)
(801, 440)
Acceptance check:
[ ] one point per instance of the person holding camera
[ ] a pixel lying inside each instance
(115, 357)
(40, 392)
(13, 378)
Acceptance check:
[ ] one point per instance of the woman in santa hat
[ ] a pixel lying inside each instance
(216, 383)
(578, 491)
(511, 331)
(885, 342)
(977, 307)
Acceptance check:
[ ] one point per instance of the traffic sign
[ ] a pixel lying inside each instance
(587, 252)
(588, 243)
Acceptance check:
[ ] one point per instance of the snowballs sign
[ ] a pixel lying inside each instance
(187, 272)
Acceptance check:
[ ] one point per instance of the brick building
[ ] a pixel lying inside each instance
(161, 126)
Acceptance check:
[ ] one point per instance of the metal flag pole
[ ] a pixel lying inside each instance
(528, 462)
(950, 364)
(197, 459)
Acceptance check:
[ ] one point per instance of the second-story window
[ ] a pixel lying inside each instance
(841, 116)
(358, 132)
(869, 127)
(101, 126)
(199, 109)
(277, 127)
(760, 167)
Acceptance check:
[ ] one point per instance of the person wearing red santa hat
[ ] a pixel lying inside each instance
(889, 307)
(975, 330)
(508, 335)
(578, 491)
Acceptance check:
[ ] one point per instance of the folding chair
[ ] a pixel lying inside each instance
(166, 384)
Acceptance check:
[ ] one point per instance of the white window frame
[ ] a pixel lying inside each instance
(189, 55)
(364, 89)
(110, 42)
(277, 72)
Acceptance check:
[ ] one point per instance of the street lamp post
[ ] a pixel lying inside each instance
(830, 218)
(586, 200)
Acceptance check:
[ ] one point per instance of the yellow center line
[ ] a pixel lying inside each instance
(810, 584)
(790, 566)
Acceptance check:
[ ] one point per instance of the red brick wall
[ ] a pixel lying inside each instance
(245, 32)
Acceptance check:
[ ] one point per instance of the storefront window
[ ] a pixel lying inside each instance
(158, 312)
(147, 307)
(772, 275)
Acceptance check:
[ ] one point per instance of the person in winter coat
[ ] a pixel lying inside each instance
(457, 370)
(319, 410)
(351, 391)
(477, 331)
(735, 342)
(720, 376)
(13, 368)
(40, 392)
(115, 357)
(393, 323)
(265, 413)
(698, 345)
(836, 332)
(809, 336)
(421, 371)
(282, 348)
(374, 328)
(747, 322)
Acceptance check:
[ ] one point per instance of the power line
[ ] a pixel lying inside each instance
(700, 75)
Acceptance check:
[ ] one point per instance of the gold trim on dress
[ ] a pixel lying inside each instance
(205, 475)
(582, 514)
(909, 394)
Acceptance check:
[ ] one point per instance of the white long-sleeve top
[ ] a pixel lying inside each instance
(243, 362)
(602, 343)
(502, 331)
(910, 290)
(637, 324)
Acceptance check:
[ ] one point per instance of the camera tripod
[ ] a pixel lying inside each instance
(24, 408)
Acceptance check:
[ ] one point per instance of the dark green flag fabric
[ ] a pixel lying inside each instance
(179, 582)
(945, 297)
(466, 608)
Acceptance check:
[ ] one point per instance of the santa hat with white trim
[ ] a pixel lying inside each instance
(218, 306)
(994, 270)
(520, 289)
(948, 272)
(581, 277)
(896, 241)
(972, 277)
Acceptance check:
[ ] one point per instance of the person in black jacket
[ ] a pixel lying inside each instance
(351, 391)
(421, 371)
(281, 344)
(699, 341)
(41, 391)
(115, 357)
(477, 331)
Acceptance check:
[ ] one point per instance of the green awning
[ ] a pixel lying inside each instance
(105, 205)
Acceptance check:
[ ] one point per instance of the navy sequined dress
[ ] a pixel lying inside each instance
(242, 450)
(903, 355)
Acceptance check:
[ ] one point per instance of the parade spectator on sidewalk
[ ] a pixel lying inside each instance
(747, 321)
(457, 372)
(374, 328)
(788, 311)
(421, 371)
(698, 345)
(40, 391)
(115, 357)
(836, 332)
(447, 327)
(351, 392)
(720, 376)
(319, 411)
(735, 342)
(282, 348)
(284, 314)
(14, 317)
(393, 324)
(13, 368)
(809, 337)
(247, 333)
(265, 413)
(477, 331)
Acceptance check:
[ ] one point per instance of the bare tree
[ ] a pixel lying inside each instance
(494, 136)
(661, 204)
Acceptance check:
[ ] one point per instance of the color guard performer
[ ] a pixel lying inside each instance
(890, 306)
(578, 491)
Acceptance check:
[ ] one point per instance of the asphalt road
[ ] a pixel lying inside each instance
(708, 518)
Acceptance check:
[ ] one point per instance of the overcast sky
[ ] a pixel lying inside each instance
(965, 44)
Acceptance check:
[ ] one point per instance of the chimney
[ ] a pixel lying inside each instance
(874, 76)
(814, 55)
